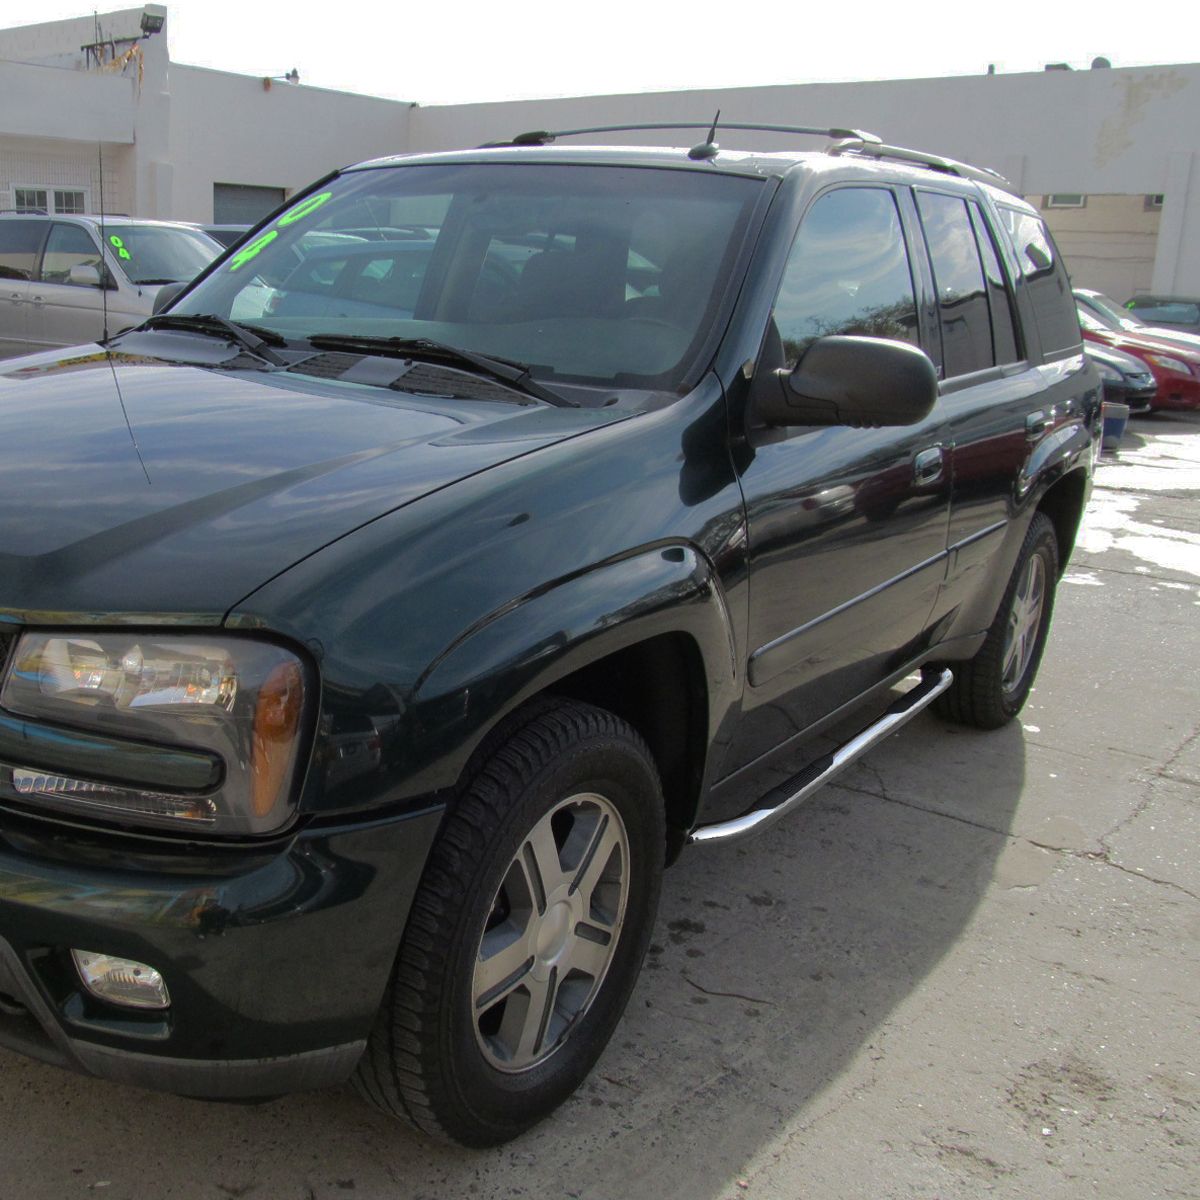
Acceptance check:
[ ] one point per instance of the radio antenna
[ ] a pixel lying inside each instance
(103, 243)
(707, 149)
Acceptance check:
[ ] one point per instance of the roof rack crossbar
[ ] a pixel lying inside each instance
(541, 137)
(949, 166)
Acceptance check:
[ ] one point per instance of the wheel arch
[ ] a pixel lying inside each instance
(658, 686)
(1064, 503)
(647, 637)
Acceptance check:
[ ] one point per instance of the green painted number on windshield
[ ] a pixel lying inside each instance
(304, 208)
(119, 247)
(256, 247)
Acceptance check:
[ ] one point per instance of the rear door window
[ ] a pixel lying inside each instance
(1004, 327)
(962, 291)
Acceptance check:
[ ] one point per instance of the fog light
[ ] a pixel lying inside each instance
(121, 980)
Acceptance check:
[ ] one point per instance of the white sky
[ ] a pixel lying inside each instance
(443, 53)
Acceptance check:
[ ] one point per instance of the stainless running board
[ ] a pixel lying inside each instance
(824, 769)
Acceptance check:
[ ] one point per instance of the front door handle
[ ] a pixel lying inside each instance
(928, 466)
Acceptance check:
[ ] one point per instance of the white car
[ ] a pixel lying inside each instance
(61, 275)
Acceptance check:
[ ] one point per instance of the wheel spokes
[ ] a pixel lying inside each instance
(596, 862)
(1024, 620)
(502, 969)
(535, 1020)
(551, 932)
(539, 858)
(590, 951)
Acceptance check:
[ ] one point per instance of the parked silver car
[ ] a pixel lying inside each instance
(58, 275)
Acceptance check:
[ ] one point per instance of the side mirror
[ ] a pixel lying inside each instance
(166, 296)
(851, 381)
(84, 275)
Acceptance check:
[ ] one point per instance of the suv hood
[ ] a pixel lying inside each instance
(132, 489)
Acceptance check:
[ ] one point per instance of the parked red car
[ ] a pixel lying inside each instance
(1175, 368)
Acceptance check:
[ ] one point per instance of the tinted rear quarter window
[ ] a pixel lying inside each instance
(1043, 275)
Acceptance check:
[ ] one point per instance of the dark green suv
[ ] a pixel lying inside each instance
(380, 618)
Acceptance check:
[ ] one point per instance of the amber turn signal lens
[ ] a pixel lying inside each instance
(276, 722)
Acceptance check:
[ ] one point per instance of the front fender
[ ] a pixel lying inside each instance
(529, 644)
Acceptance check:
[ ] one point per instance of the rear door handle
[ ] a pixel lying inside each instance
(929, 465)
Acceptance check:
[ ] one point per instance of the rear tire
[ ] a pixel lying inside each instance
(527, 932)
(991, 688)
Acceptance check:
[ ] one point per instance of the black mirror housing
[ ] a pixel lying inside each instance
(854, 381)
(166, 296)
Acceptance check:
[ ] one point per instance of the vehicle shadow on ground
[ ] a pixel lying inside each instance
(774, 965)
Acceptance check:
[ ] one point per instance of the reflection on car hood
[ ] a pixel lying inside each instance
(129, 486)
(1142, 343)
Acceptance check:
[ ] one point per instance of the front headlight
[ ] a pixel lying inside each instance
(1109, 374)
(1169, 364)
(241, 703)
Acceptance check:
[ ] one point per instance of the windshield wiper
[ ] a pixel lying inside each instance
(250, 337)
(516, 375)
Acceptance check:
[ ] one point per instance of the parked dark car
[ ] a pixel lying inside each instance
(1178, 312)
(365, 665)
(1127, 380)
(1175, 368)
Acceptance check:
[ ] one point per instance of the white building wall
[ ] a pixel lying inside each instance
(29, 162)
(60, 102)
(1131, 130)
(228, 129)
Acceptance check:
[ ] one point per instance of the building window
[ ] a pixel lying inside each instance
(30, 200)
(1065, 200)
(70, 201)
(50, 200)
(1154, 203)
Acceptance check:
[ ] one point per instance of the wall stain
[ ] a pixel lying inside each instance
(1116, 135)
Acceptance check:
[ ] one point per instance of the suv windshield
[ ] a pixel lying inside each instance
(591, 274)
(159, 253)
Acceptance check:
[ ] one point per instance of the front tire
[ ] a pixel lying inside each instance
(527, 931)
(991, 688)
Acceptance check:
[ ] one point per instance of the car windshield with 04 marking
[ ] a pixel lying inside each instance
(598, 275)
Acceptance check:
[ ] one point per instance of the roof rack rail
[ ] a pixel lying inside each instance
(542, 137)
(27, 212)
(949, 166)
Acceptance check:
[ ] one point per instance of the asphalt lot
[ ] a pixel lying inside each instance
(969, 968)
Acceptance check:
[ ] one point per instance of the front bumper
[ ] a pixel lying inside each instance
(276, 957)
